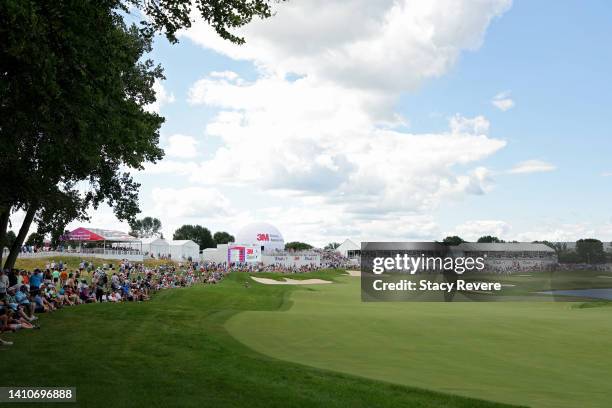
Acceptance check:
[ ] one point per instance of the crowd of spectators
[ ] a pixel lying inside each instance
(24, 294)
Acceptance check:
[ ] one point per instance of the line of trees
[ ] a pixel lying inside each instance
(588, 250)
(146, 227)
(297, 246)
(202, 236)
(456, 240)
(331, 246)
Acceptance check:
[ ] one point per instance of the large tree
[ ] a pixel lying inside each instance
(222, 237)
(74, 84)
(590, 251)
(297, 246)
(7, 241)
(145, 228)
(331, 246)
(35, 239)
(453, 240)
(197, 233)
(489, 239)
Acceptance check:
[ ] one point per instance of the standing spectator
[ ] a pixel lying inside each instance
(56, 276)
(63, 277)
(100, 284)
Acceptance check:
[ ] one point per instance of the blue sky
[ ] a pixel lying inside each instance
(312, 174)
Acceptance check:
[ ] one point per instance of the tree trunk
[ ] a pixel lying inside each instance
(4, 218)
(23, 231)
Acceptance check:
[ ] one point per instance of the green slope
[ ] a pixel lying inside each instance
(538, 354)
(175, 351)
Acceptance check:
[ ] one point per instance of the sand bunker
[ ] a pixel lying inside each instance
(354, 273)
(288, 281)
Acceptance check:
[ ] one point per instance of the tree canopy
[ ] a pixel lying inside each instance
(223, 15)
(146, 227)
(8, 240)
(489, 239)
(35, 239)
(331, 246)
(222, 237)
(590, 251)
(453, 240)
(75, 82)
(297, 246)
(197, 233)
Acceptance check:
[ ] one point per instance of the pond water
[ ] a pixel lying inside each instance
(603, 293)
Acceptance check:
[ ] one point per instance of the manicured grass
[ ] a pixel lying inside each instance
(175, 351)
(537, 354)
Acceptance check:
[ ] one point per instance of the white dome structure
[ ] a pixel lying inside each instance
(263, 235)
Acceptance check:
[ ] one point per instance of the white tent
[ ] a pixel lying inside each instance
(184, 249)
(349, 249)
(155, 246)
(149, 246)
(217, 255)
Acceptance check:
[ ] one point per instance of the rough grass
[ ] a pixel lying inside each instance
(175, 351)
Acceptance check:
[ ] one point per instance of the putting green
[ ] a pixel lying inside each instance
(535, 354)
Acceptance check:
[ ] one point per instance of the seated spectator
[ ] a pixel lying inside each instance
(22, 299)
(5, 326)
(16, 322)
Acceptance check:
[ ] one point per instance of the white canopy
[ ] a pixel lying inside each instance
(155, 246)
(184, 249)
(347, 246)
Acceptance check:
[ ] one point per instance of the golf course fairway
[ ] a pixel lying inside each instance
(534, 354)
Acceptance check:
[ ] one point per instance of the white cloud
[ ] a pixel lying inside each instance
(162, 96)
(606, 174)
(503, 101)
(320, 223)
(532, 166)
(321, 139)
(386, 44)
(567, 232)
(478, 125)
(546, 230)
(229, 75)
(319, 124)
(181, 146)
(102, 217)
(189, 202)
(472, 230)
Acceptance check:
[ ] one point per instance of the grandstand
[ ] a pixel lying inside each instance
(512, 256)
